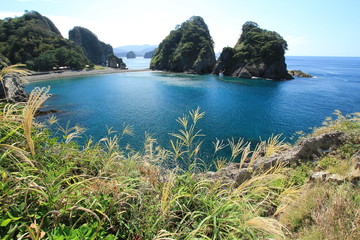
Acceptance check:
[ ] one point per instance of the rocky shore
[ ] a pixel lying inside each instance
(39, 76)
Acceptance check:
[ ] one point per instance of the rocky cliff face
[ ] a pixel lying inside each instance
(94, 49)
(259, 53)
(188, 48)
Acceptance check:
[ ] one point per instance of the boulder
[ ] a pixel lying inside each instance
(12, 89)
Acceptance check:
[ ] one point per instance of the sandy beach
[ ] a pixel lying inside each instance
(76, 73)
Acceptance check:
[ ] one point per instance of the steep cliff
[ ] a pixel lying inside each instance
(94, 49)
(188, 48)
(258, 53)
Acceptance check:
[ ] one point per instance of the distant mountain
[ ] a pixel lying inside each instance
(139, 50)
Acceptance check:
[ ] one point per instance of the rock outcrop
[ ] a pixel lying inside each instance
(299, 73)
(115, 62)
(304, 151)
(93, 48)
(189, 48)
(12, 90)
(259, 53)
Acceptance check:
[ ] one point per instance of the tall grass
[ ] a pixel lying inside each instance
(103, 190)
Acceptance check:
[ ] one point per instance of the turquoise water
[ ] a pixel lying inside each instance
(151, 101)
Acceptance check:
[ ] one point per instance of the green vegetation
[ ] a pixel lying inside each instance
(97, 51)
(35, 40)
(187, 48)
(258, 45)
(59, 57)
(52, 188)
(258, 53)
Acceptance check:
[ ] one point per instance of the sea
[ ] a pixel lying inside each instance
(253, 109)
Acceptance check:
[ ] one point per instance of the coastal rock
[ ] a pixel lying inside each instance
(259, 53)
(115, 62)
(40, 112)
(131, 54)
(299, 73)
(12, 90)
(306, 150)
(189, 48)
(93, 48)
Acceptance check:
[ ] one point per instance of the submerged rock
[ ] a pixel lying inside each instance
(259, 53)
(299, 73)
(189, 48)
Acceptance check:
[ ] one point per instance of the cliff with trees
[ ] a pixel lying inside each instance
(258, 53)
(96, 50)
(188, 48)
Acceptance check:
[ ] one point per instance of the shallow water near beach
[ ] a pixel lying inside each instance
(151, 101)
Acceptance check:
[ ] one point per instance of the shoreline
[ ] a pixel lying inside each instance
(42, 76)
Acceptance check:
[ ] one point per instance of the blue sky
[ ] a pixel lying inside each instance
(311, 27)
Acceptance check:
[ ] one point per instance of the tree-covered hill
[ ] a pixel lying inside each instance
(188, 48)
(35, 40)
(258, 53)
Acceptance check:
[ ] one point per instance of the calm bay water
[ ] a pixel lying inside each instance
(151, 101)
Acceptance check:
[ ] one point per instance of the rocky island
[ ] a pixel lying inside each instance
(131, 54)
(189, 48)
(259, 53)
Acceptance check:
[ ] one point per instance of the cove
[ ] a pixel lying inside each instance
(152, 101)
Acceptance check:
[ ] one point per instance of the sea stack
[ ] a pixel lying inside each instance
(259, 53)
(189, 48)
